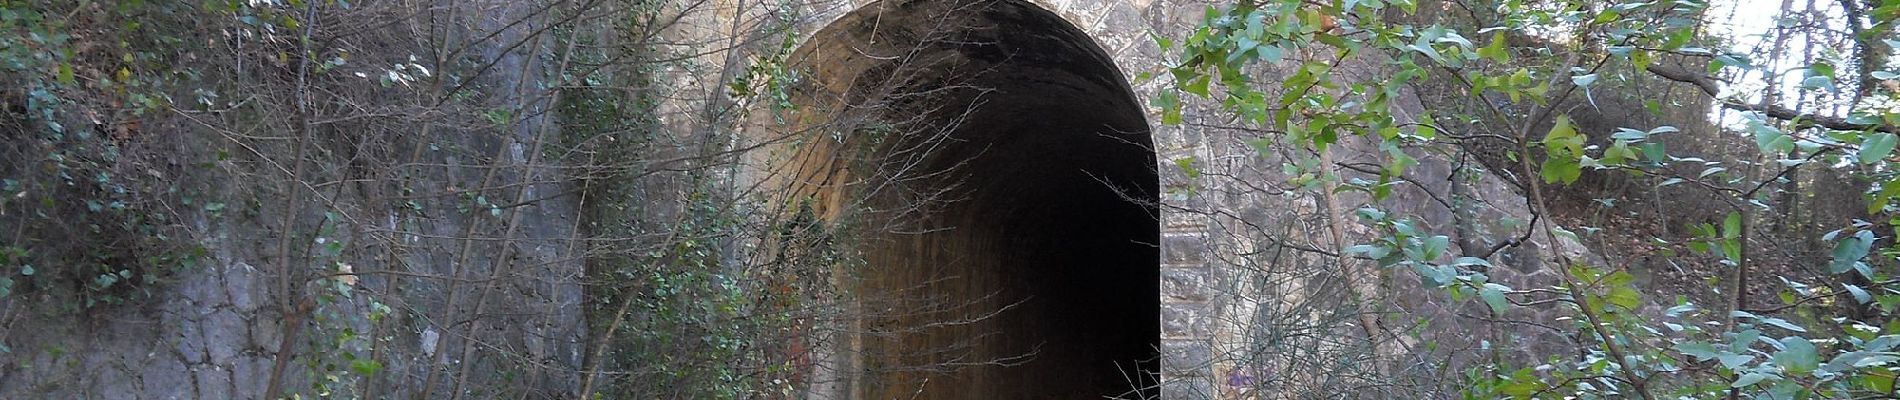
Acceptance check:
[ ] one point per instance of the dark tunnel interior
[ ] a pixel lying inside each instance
(1009, 227)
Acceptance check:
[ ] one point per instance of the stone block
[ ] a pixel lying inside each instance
(241, 284)
(1185, 321)
(224, 336)
(1172, 176)
(1180, 212)
(1183, 249)
(212, 382)
(1188, 388)
(1184, 284)
(164, 377)
(1183, 357)
(1176, 138)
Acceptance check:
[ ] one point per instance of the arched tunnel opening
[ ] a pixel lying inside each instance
(1000, 177)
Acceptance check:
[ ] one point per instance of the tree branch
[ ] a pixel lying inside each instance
(1713, 89)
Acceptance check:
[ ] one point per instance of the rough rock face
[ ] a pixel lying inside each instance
(214, 331)
(205, 340)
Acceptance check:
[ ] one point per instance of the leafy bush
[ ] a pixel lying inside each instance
(1527, 68)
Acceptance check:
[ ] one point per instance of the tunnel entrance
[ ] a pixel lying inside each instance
(1000, 179)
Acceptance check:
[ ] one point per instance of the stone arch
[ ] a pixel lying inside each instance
(1000, 177)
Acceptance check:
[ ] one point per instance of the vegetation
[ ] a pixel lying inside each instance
(548, 199)
(90, 222)
(401, 185)
(1801, 299)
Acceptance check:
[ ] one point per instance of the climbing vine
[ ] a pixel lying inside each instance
(80, 80)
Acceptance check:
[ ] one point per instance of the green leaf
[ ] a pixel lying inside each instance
(1618, 154)
(1625, 297)
(1740, 341)
(1889, 190)
(1187, 166)
(1435, 275)
(1410, 6)
(1821, 69)
(1170, 104)
(1784, 324)
(1858, 359)
(1819, 83)
(1748, 379)
(1797, 355)
(1564, 146)
(1875, 359)
(1563, 137)
(1701, 351)
(1876, 147)
(1860, 295)
(1467, 261)
(1493, 295)
(1584, 80)
(1731, 243)
(1771, 141)
(1785, 389)
(1619, 278)
(66, 74)
(1563, 170)
(1429, 52)
(1522, 384)
(1605, 16)
(1724, 60)
(1435, 246)
(366, 367)
(1732, 360)
(1879, 381)
(1565, 233)
(1495, 51)
(1679, 38)
(1732, 226)
(1850, 250)
(1654, 151)
(1642, 59)
(1197, 85)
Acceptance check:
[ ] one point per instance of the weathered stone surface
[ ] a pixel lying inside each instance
(1188, 388)
(1175, 138)
(187, 339)
(249, 375)
(240, 281)
(1183, 249)
(1179, 213)
(1184, 284)
(1186, 357)
(212, 329)
(211, 382)
(1185, 321)
(111, 381)
(225, 336)
(165, 378)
